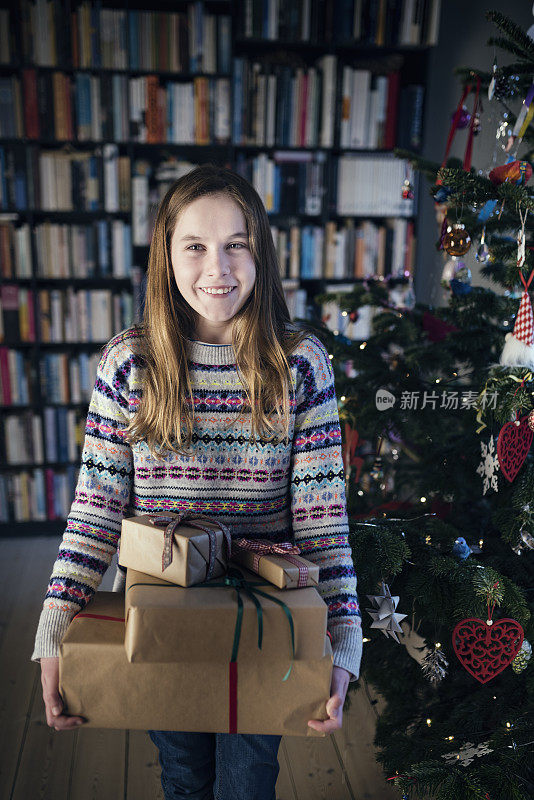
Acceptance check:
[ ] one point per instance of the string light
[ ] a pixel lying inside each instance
(513, 746)
(428, 540)
(344, 313)
(365, 639)
(480, 542)
(360, 493)
(330, 355)
(438, 645)
(363, 345)
(429, 722)
(438, 380)
(343, 399)
(423, 499)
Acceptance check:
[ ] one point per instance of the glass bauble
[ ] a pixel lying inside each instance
(522, 658)
(505, 86)
(527, 538)
(448, 273)
(464, 118)
(407, 190)
(456, 241)
(482, 253)
(491, 87)
(463, 273)
(377, 470)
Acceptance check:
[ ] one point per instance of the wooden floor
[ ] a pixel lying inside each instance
(38, 763)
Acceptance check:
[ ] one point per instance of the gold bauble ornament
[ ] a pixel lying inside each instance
(456, 241)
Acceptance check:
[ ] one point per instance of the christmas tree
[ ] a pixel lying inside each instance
(437, 418)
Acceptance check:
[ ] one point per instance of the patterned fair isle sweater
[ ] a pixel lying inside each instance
(282, 492)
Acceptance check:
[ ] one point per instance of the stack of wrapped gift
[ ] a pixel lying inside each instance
(199, 643)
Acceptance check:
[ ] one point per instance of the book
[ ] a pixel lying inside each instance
(410, 125)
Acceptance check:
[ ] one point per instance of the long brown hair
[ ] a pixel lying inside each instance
(263, 336)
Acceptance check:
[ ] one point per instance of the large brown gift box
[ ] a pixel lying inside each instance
(97, 681)
(194, 554)
(280, 564)
(168, 623)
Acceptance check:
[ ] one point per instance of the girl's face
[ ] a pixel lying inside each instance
(209, 250)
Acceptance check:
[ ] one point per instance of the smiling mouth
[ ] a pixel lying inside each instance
(217, 292)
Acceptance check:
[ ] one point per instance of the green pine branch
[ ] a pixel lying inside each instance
(509, 47)
(514, 32)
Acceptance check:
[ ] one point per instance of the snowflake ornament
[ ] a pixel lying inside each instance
(489, 466)
(467, 753)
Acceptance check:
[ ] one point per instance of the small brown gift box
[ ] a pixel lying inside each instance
(278, 563)
(169, 623)
(175, 548)
(97, 681)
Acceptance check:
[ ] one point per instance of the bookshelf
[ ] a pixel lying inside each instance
(104, 104)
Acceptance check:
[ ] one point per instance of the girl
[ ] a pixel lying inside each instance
(215, 405)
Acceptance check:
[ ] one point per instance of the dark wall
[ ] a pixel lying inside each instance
(464, 32)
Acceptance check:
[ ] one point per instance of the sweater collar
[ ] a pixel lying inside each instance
(204, 353)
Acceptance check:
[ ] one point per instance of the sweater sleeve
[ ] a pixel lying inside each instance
(101, 497)
(318, 502)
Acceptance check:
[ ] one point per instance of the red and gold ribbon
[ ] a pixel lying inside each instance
(263, 547)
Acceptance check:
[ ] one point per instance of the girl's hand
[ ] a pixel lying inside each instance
(52, 698)
(334, 706)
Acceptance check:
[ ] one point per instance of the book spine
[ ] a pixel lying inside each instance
(152, 109)
(392, 110)
(5, 376)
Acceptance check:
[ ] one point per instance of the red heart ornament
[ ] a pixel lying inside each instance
(513, 445)
(485, 650)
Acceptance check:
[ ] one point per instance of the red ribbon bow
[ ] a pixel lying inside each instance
(263, 547)
(171, 523)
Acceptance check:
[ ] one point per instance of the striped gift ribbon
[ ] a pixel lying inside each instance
(171, 524)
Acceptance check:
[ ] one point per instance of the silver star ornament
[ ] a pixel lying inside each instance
(383, 613)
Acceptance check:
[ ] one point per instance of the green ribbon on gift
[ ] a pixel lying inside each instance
(236, 580)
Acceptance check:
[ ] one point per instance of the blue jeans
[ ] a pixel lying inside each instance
(217, 766)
